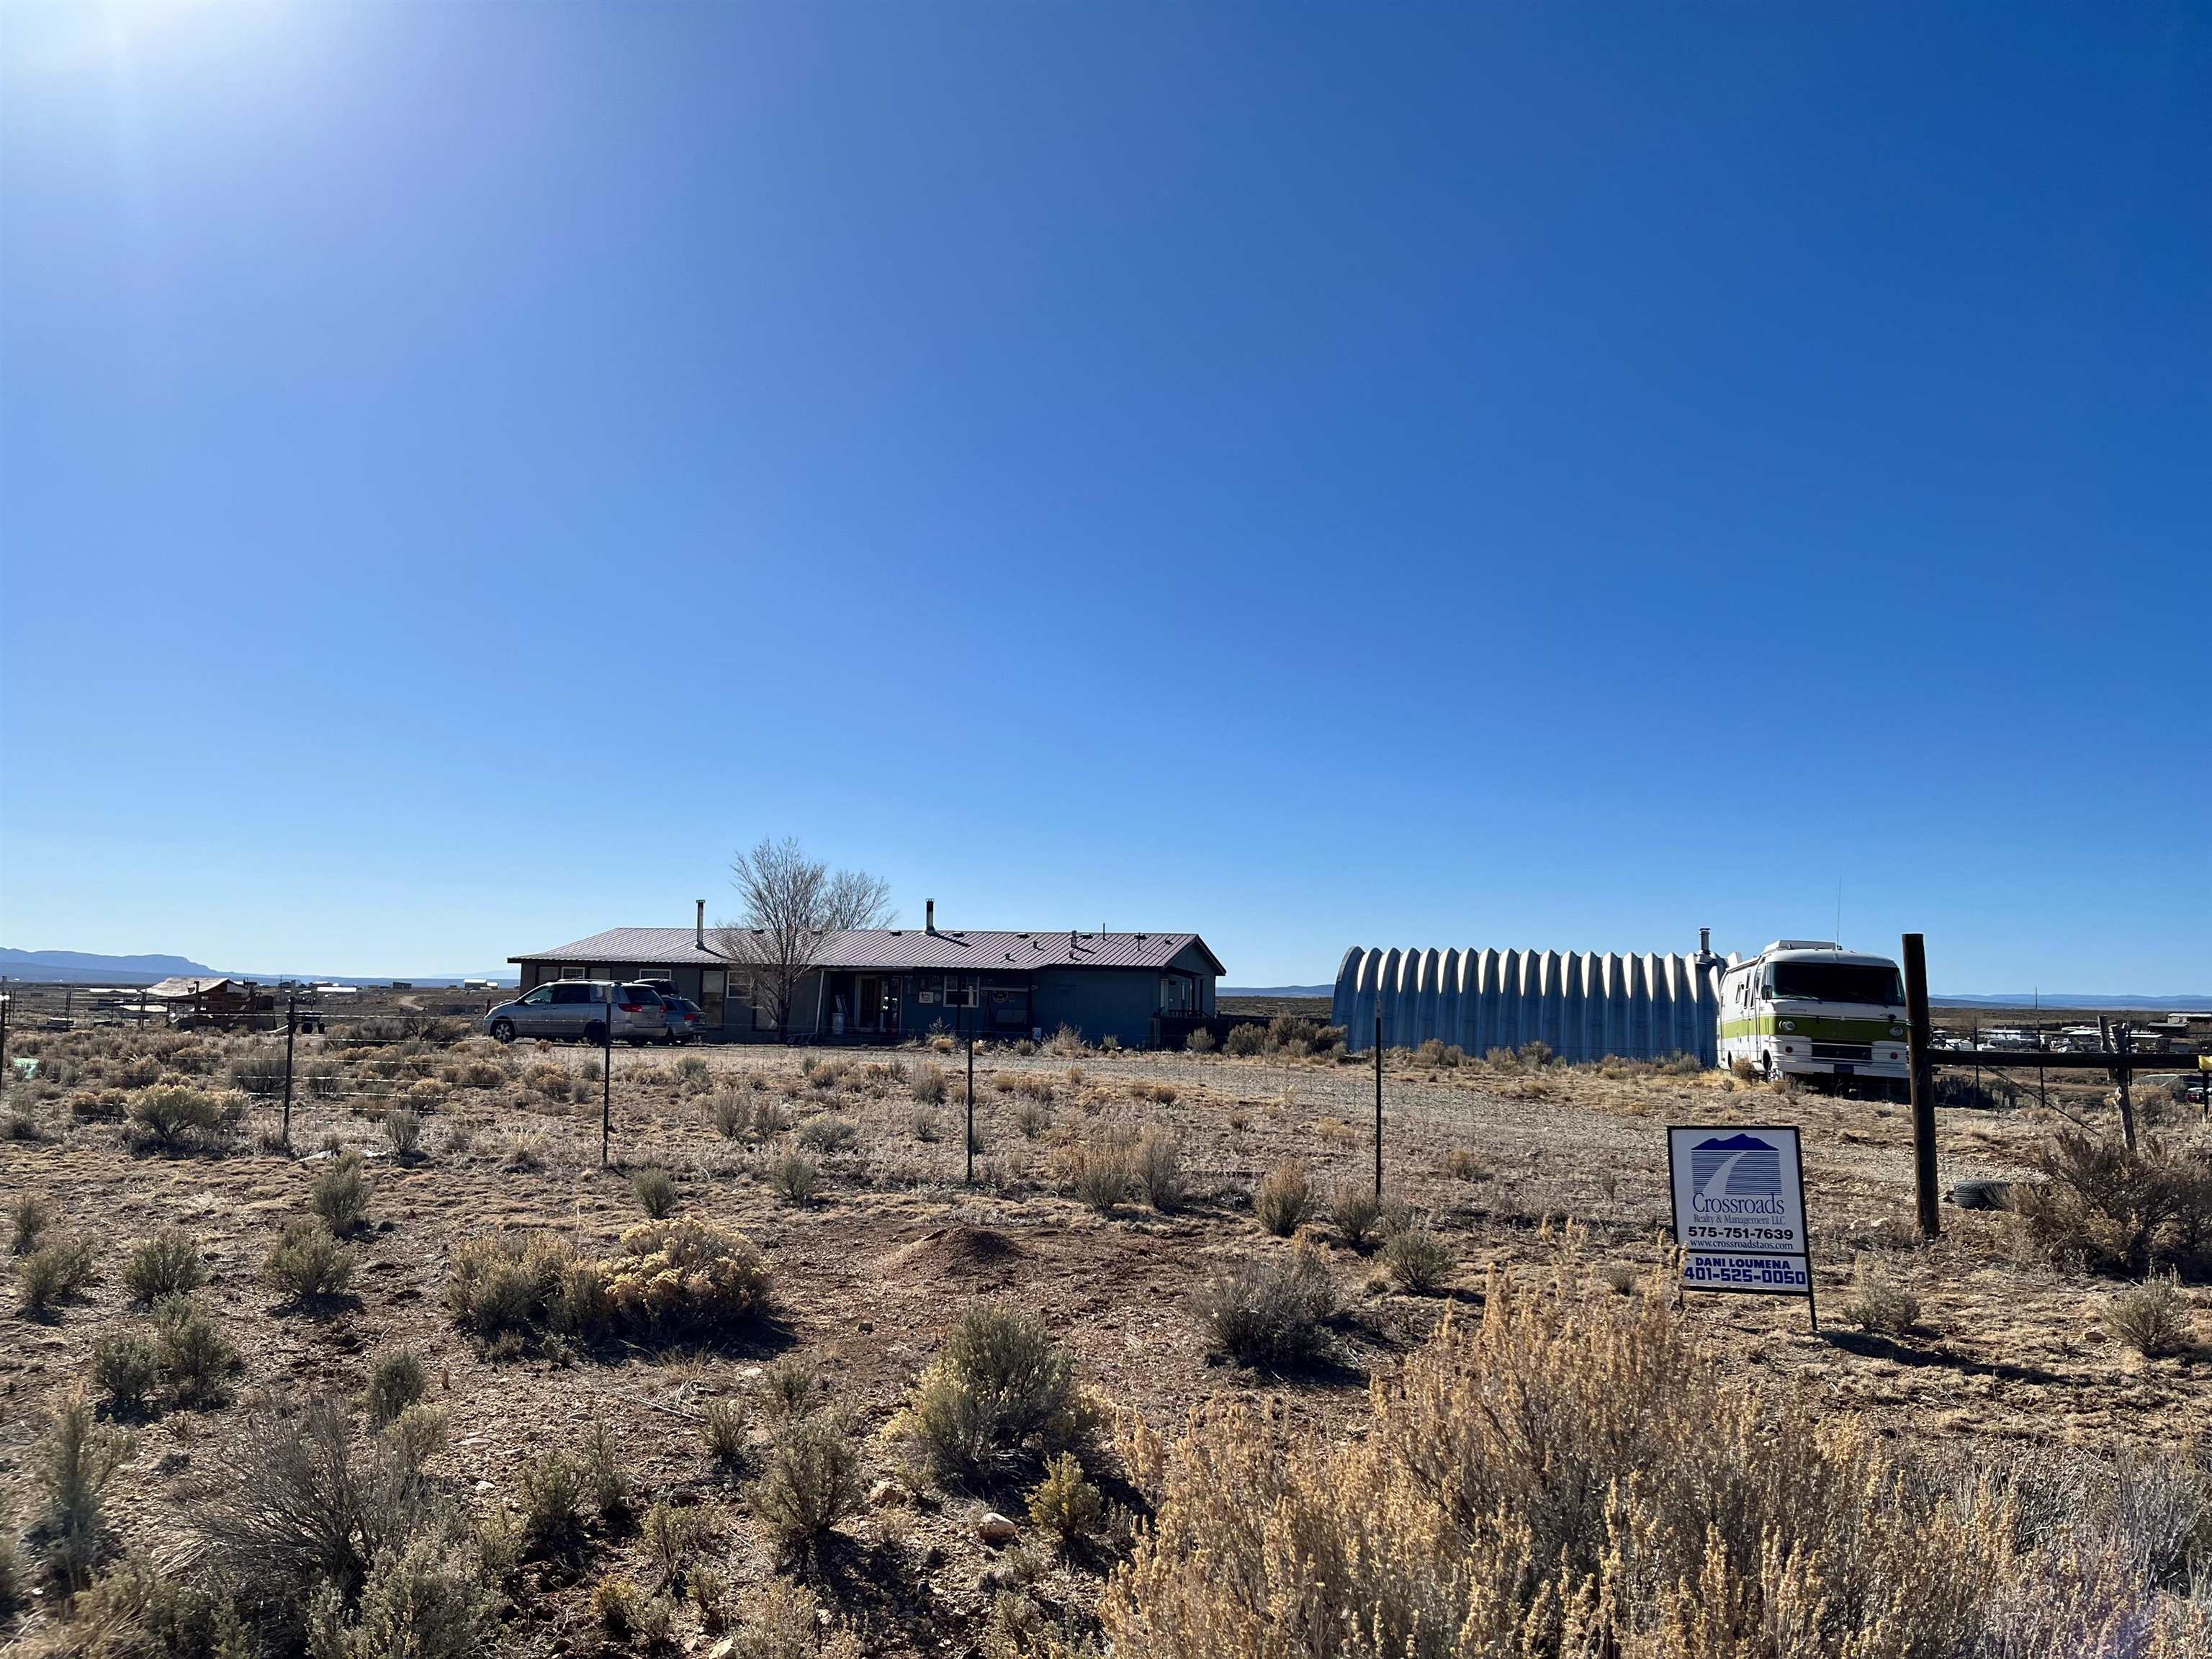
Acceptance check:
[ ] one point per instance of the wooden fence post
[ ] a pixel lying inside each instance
(1924, 1088)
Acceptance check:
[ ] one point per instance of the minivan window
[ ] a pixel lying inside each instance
(539, 998)
(641, 994)
(575, 992)
(1840, 981)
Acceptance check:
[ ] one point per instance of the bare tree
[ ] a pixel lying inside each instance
(788, 906)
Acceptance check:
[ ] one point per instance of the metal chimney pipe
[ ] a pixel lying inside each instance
(699, 926)
(929, 915)
(1704, 941)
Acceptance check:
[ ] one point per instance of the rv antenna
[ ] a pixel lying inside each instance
(1840, 912)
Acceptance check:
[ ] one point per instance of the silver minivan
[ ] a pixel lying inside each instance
(582, 1010)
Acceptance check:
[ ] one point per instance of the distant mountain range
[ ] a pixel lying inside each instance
(89, 968)
(1277, 991)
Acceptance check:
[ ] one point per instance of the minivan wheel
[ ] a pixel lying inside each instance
(503, 1030)
(595, 1034)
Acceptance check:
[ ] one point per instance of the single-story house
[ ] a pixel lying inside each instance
(883, 984)
(191, 997)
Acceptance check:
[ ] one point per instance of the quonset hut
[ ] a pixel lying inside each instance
(1585, 1005)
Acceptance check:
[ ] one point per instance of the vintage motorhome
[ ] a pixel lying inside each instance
(1808, 1008)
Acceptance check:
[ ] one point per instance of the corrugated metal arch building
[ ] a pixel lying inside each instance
(1584, 1004)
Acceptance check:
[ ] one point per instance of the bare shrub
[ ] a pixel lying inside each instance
(1283, 1199)
(1419, 1260)
(51, 1274)
(197, 1361)
(127, 1370)
(174, 1117)
(1033, 1118)
(552, 1486)
(722, 1426)
(72, 1462)
(167, 1264)
(930, 1085)
(396, 1381)
(512, 1293)
(1099, 1174)
(417, 1603)
(1000, 1393)
(1067, 1502)
(827, 1134)
(2152, 1318)
(1246, 1042)
(926, 1125)
(403, 1128)
(2118, 1210)
(308, 1262)
(1465, 1163)
(258, 1072)
(654, 1189)
(793, 1178)
(30, 1216)
(1199, 1042)
(339, 1194)
(731, 1112)
(1356, 1215)
(1878, 1303)
(1157, 1165)
(812, 1482)
(1271, 1312)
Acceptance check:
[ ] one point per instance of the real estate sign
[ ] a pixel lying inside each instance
(1740, 1210)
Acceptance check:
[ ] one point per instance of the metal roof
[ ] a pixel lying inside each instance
(900, 948)
(185, 986)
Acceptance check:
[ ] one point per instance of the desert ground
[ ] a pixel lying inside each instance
(1986, 1347)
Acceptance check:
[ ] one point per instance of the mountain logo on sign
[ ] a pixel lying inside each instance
(1739, 1166)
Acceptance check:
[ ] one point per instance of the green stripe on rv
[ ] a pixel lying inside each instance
(1822, 1030)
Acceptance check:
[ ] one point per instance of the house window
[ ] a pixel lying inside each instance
(571, 973)
(959, 992)
(1174, 995)
(711, 983)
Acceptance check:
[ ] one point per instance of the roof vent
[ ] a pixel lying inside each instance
(929, 915)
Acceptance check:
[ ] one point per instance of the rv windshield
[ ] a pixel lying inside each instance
(1840, 981)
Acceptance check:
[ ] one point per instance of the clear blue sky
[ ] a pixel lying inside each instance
(1538, 475)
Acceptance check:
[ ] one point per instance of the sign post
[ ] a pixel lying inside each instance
(1740, 1210)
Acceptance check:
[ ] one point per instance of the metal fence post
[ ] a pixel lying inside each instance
(969, 1142)
(5, 1000)
(1923, 1087)
(2127, 1103)
(291, 1025)
(1378, 1104)
(606, 1077)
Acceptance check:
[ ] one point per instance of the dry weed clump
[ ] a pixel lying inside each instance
(308, 1263)
(685, 1277)
(339, 1194)
(1067, 1502)
(29, 1216)
(1155, 1165)
(1879, 1303)
(1419, 1260)
(811, 1483)
(396, 1381)
(517, 1294)
(2119, 1210)
(2152, 1318)
(722, 1427)
(1283, 1200)
(51, 1274)
(1000, 1393)
(1097, 1172)
(1357, 1214)
(1571, 1476)
(1271, 1313)
(654, 1188)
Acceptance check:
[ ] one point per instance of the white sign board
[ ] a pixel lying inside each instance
(1740, 1210)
